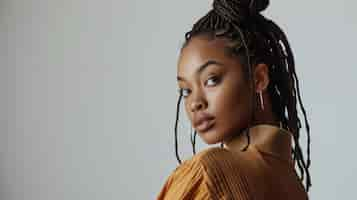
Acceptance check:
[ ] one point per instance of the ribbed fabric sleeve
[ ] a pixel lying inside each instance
(186, 182)
(208, 175)
(224, 178)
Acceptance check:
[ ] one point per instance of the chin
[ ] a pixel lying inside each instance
(212, 142)
(210, 138)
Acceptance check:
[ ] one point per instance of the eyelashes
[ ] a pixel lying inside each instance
(215, 79)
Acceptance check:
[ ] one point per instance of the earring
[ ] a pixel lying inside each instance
(261, 100)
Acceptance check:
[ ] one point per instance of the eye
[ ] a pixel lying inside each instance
(183, 91)
(215, 80)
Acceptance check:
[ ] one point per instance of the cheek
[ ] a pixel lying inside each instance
(231, 106)
(187, 109)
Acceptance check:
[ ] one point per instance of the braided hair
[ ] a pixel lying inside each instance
(256, 39)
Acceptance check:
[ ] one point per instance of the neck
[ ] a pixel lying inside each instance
(264, 137)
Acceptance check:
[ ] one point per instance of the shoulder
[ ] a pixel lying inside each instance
(186, 181)
(189, 180)
(225, 172)
(202, 160)
(217, 157)
(205, 161)
(213, 153)
(212, 173)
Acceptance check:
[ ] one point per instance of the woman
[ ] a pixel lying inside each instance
(237, 76)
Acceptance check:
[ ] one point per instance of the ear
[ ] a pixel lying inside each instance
(261, 77)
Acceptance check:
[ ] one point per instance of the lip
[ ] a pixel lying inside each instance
(205, 125)
(200, 117)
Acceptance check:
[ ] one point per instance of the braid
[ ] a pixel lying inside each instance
(176, 122)
(260, 40)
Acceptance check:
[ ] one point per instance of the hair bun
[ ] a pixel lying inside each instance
(258, 6)
(239, 10)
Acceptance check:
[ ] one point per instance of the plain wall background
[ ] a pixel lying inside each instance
(88, 94)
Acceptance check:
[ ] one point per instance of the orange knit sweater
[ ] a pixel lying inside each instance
(264, 171)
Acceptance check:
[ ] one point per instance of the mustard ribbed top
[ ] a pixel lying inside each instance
(258, 173)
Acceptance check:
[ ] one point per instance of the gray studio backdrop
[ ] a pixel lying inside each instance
(88, 94)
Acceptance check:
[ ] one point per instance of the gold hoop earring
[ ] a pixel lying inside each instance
(261, 100)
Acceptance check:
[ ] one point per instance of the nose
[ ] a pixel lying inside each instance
(197, 105)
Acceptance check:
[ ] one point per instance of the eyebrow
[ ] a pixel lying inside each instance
(202, 67)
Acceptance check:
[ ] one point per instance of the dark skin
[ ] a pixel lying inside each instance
(221, 89)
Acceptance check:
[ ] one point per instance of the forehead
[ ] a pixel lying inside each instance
(200, 47)
(199, 50)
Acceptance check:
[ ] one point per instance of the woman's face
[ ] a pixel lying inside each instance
(213, 83)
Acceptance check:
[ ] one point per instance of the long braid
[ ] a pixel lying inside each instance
(176, 123)
(296, 91)
(260, 40)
